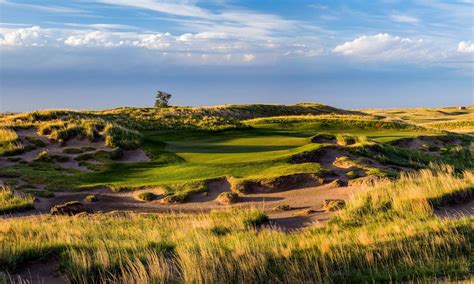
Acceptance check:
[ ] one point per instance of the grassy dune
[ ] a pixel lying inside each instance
(448, 119)
(381, 236)
(259, 149)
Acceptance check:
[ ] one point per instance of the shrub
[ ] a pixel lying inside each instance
(346, 140)
(42, 157)
(147, 196)
(118, 136)
(175, 198)
(46, 128)
(333, 204)
(92, 128)
(227, 197)
(66, 133)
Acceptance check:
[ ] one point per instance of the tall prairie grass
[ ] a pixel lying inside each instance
(9, 142)
(414, 194)
(11, 201)
(389, 233)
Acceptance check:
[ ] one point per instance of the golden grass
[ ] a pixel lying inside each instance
(413, 194)
(11, 201)
(402, 242)
(9, 142)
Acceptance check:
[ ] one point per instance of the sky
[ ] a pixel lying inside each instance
(97, 54)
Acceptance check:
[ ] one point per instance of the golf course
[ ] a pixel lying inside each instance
(244, 193)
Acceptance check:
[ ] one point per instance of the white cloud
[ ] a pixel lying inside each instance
(155, 41)
(385, 47)
(34, 36)
(249, 57)
(187, 37)
(240, 23)
(466, 47)
(95, 38)
(404, 19)
(305, 52)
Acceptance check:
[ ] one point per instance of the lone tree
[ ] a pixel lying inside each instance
(162, 99)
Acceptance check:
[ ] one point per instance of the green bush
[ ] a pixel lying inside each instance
(147, 196)
(118, 136)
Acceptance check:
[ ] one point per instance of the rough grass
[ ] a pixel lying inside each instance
(414, 194)
(180, 157)
(11, 201)
(9, 142)
(380, 237)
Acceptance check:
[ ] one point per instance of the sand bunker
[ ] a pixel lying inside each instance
(65, 154)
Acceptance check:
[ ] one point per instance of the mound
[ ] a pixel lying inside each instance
(432, 144)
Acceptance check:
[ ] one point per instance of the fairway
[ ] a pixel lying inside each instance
(260, 152)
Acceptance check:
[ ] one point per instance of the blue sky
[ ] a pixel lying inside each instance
(92, 54)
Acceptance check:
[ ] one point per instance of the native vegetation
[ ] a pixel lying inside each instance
(405, 165)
